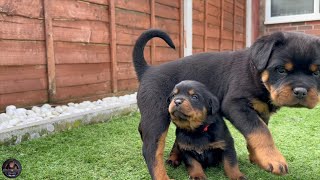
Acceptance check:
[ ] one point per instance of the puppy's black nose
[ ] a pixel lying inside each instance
(178, 101)
(300, 92)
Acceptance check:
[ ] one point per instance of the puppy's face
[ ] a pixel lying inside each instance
(190, 104)
(290, 70)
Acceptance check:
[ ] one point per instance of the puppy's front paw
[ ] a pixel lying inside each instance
(269, 159)
(173, 160)
(198, 177)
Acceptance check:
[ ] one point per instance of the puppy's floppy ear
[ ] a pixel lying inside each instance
(261, 50)
(214, 104)
(169, 98)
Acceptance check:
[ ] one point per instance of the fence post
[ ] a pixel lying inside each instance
(51, 66)
(113, 47)
(153, 25)
(234, 26)
(221, 23)
(182, 39)
(205, 34)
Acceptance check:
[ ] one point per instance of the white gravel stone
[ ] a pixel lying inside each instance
(16, 117)
(36, 109)
(46, 106)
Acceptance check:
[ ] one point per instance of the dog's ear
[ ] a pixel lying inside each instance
(261, 50)
(214, 105)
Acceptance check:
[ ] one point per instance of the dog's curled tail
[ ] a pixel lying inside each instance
(139, 61)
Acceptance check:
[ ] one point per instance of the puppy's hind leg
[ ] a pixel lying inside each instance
(195, 169)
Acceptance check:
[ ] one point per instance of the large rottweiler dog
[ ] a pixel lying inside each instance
(202, 137)
(281, 69)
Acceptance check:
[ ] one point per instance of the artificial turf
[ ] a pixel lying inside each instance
(112, 150)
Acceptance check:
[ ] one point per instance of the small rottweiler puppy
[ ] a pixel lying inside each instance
(202, 137)
(281, 69)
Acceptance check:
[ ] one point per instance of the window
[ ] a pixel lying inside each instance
(285, 11)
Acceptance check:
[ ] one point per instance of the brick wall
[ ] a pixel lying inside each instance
(309, 27)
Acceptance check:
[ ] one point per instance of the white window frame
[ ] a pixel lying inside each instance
(291, 18)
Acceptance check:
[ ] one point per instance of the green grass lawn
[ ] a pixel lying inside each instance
(112, 150)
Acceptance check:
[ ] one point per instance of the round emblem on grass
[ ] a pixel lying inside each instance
(11, 168)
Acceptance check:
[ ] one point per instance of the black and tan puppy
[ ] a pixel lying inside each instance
(281, 69)
(202, 137)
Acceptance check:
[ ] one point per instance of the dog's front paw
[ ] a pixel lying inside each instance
(269, 159)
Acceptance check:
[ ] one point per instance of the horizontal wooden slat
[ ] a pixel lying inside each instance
(81, 31)
(66, 9)
(64, 93)
(227, 34)
(196, 50)
(66, 53)
(20, 28)
(124, 53)
(226, 45)
(168, 25)
(28, 8)
(198, 28)
(213, 43)
(22, 52)
(213, 20)
(127, 35)
(198, 5)
(128, 84)
(136, 5)
(241, 4)
(239, 20)
(166, 54)
(102, 2)
(213, 31)
(166, 11)
(197, 15)
(24, 98)
(213, 10)
(228, 16)
(197, 42)
(81, 74)
(126, 71)
(11, 73)
(228, 25)
(23, 85)
(240, 12)
(239, 45)
(169, 3)
(239, 28)
(227, 6)
(216, 3)
(175, 38)
(239, 36)
(132, 19)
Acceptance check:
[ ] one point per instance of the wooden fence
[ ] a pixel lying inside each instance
(70, 50)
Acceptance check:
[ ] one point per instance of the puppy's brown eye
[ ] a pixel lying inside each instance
(195, 97)
(316, 73)
(281, 70)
